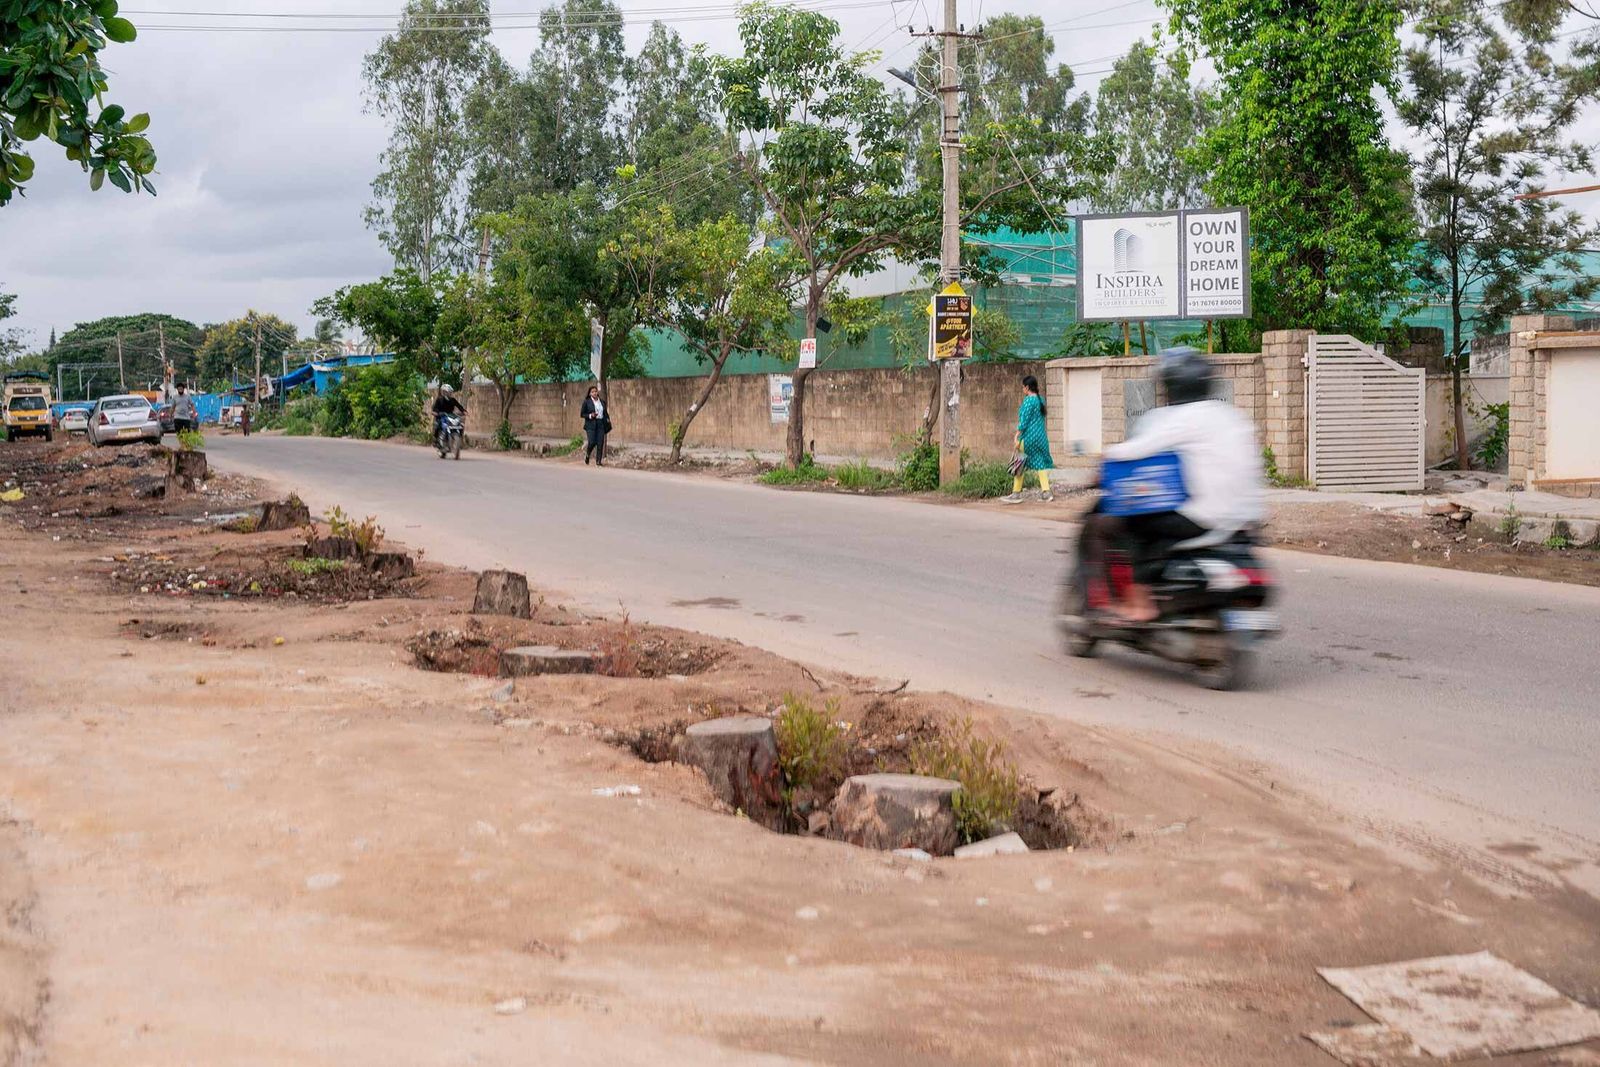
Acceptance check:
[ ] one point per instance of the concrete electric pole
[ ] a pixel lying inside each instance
(255, 393)
(950, 243)
(122, 377)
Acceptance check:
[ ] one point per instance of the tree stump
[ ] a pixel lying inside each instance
(186, 471)
(283, 515)
(333, 548)
(545, 659)
(502, 593)
(391, 565)
(890, 811)
(740, 758)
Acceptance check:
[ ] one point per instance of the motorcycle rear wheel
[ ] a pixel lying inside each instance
(1230, 673)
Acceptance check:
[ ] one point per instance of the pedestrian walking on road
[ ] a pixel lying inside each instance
(1033, 443)
(183, 413)
(596, 424)
(244, 420)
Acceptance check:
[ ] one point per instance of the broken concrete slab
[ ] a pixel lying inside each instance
(1001, 845)
(1463, 1007)
(1372, 1045)
(739, 756)
(529, 660)
(890, 811)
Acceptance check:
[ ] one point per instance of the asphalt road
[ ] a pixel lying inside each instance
(1446, 709)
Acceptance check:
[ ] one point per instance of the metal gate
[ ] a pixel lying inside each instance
(1366, 417)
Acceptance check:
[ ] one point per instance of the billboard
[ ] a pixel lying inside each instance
(1164, 265)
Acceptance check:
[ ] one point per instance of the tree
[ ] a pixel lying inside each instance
(146, 338)
(229, 349)
(1301, 143)
(419, 78)
(1493, 119)
(556, 127)
(51, 78)
(1153, 117)
(555, 243)
(709, 285)
(819, 141)
(995, 337)
(508, 335)
(11, 340)
(401, 313)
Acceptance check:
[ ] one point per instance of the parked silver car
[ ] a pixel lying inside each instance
(119, 419)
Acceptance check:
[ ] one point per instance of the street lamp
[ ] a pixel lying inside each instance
(901, 75)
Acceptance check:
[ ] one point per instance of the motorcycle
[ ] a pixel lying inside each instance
(1213, 609)
(447, 439)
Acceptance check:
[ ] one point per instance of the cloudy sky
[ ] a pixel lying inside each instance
(266, 155)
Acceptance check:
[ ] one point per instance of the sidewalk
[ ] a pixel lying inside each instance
(1536, 511)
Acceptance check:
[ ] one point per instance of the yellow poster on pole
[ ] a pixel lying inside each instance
(952, 323)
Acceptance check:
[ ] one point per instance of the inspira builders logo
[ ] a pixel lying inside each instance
(1132, 280)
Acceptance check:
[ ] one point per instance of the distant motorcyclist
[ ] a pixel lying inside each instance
(446, 404)
(1222, 473)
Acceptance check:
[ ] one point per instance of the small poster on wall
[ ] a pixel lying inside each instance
(780, 391)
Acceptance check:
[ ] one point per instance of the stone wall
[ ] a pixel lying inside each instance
(867, 413)
(1282, 416)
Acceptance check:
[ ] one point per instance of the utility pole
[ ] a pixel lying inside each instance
(950, 243)
(122, 378)
(255, 393)
(483, 254)
(166, 371)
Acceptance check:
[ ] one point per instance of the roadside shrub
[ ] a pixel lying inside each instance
(385, 400)
(986, 803)
(811, 744)
(335, 416)
(299, 417)
(1275, 477)
(985, 479)
(1492, 449)
(191, 441)
(504, 439)
(1560, 537)
(807, 473)
(1511, 524)
(367, 534)
(919, 468)
(863, 476)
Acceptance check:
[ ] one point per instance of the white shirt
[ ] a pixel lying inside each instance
(1221, 461)
(599, 408)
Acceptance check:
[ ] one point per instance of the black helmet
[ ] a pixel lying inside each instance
(1186, 373)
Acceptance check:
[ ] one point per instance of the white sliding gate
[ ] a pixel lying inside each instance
(1366, 417)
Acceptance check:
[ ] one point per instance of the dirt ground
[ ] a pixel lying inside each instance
(242, 827)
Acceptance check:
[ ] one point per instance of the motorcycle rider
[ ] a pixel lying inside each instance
(1222, 473)
(446, 404)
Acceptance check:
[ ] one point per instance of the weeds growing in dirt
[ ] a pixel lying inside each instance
(986, 803)
(569, 448)
(1275, 477)
(986, 480)
(192, 441)
(367, 534)
(811, 744)
(315, 565)
(809, 472)
(1560, 537)
(1511, 525)
(620, 655)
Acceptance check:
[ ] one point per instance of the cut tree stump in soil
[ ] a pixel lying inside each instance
(391, 565)
(185, 471)
(502, 593)
(283, 515)
(545, 659)
(890, 811)
(739, 756)
(333, 548)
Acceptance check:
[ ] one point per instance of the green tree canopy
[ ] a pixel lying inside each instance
(145, 336)
(1153, 117)
(1494, 117)
(401, 313)
(419, 79)
(1301, 143)
(53, 86)
(229, 350)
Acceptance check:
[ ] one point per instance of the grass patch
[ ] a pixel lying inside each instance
(985, 480)
(991, 786)
(808, 473)
(569, 448)
(919, 468)
(861, 475)
(315, 565)
(191, 441)
(1275, 477)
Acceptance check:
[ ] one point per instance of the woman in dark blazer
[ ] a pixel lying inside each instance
(596, 424)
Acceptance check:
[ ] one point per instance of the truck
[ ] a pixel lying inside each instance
(25, 405)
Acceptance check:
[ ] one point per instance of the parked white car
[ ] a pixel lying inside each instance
(74, 420)
(120, 419)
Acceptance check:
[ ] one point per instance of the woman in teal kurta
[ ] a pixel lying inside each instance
(1033, 441)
